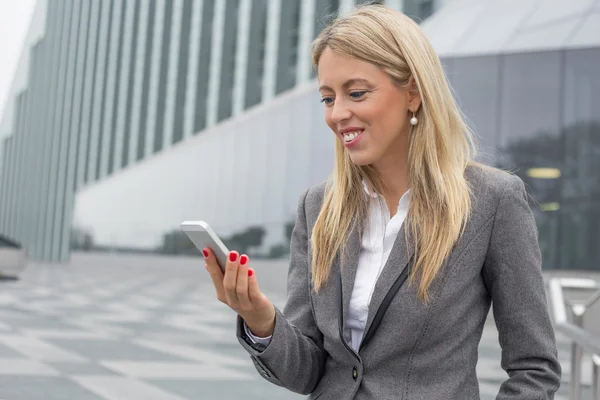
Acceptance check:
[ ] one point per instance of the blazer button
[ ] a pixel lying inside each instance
(354, 373)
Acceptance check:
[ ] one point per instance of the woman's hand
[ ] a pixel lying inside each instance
(238, 288)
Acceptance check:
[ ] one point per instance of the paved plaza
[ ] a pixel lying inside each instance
(123, 327)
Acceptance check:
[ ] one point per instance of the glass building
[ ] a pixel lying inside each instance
(135, 115)
(527, 76)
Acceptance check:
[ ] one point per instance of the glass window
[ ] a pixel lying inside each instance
(288, 43)
(104, 89)
(580, 202)
(93, 89)
(531, 142)
(164, 69)
(130, 85)
(418, 9)
(256, 53)
(325, 11)
(146, 80)
(228, 60)
(475, 81)
(117, 100)
(182, 73)
(204, 57)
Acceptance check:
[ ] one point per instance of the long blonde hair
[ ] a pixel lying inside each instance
(440, 147)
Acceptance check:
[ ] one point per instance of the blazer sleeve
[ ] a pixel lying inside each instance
(295, 357)
(513, 275)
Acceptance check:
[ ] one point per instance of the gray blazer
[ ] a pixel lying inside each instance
(419, 351)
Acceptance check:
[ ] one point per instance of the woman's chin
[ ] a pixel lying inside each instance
(360, 159)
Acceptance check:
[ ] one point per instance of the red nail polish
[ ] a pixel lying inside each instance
(243, 259)
(205, 252)
(250, 272)
(232, 256)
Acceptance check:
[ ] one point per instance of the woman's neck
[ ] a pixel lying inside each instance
(396, 182)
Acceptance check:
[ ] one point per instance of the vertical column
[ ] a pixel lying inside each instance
(256, 54)
(159, 117)
(4, 183)
(181, 77)
(89, 89)
(124, 85)
(112, 90)
(204, 61)
(24, 162)
(19, 184)
(154, 77)
(270, 69)
(25, 222)
(57, 127)
(190, 103)
(346, 6)
(62, 229)
(140, 72)
(64, 133)
(306, 29)
(215, 64)
(98, 101)
(173, 66)
(52, 39)
(132, 65)
(9, 156)
(227, 69)
(241, 57)
(288, 43)
(395, 4)
(35, 146)
(14, 165)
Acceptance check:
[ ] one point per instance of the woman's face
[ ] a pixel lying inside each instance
(365, 109)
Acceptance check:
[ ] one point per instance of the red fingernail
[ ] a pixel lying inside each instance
(243, 259)
(250, 272)
(205, 252)
(232, 256)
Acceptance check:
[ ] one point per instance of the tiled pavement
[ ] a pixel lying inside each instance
(135, 327)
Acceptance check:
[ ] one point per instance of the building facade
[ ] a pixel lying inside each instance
(112, 83)
(155, 112)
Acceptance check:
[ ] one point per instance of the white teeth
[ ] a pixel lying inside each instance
(350, 136)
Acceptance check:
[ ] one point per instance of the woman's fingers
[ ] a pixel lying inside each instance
(238, 286)
(242, 284)
(230, 279)
(212, 266)
(253, 290)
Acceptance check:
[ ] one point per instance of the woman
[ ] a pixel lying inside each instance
(405, 200)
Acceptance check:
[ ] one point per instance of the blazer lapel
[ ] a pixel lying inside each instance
(397, 261)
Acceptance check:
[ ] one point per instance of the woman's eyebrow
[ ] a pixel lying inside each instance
(349, 83)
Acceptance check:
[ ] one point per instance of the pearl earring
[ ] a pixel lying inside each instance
(414, 120)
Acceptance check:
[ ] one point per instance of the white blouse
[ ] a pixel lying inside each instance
(377, 242)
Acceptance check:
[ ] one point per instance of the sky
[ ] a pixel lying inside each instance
(15, 16)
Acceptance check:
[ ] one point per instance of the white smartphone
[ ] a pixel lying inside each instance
(202, 235)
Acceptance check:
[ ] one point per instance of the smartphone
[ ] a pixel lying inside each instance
(202, 235)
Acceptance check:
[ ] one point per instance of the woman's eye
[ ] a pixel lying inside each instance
(327, 100)
(357, 95)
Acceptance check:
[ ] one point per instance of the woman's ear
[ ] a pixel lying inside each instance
(414, 99)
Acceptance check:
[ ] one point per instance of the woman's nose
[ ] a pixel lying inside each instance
(340, 112)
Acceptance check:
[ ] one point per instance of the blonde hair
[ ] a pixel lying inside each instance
(440, 147)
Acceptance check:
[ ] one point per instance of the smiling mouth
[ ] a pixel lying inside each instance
(351, 136)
